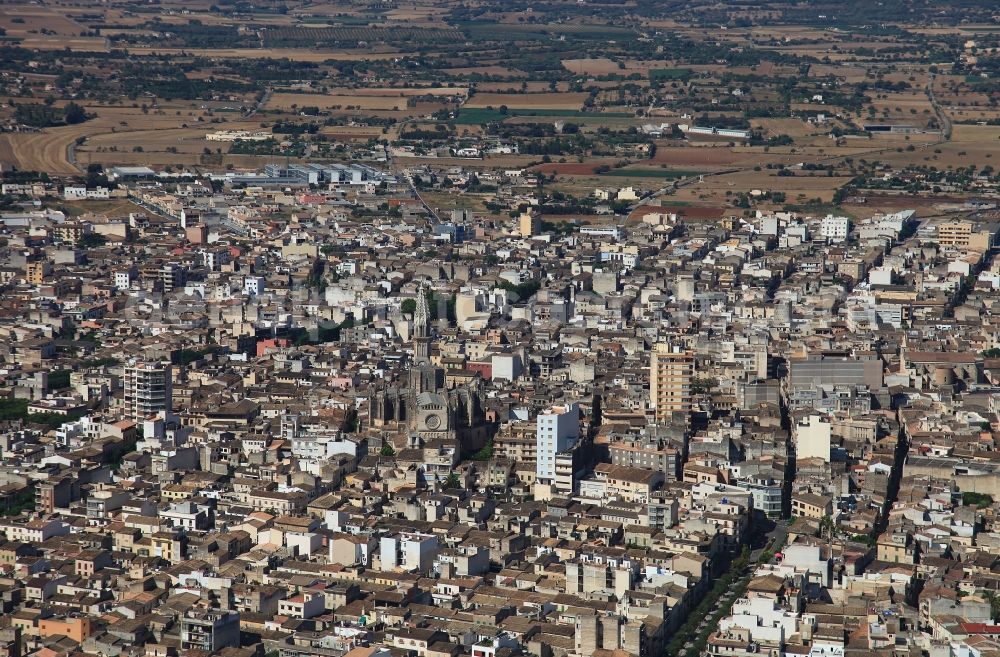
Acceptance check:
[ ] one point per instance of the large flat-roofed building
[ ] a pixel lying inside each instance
(964, 234)
(834, 370)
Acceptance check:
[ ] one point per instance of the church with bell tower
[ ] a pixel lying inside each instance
(426, 409)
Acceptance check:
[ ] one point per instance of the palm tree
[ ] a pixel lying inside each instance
(826, 527)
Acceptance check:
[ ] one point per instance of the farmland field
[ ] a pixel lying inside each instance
(669, 73)
(294, 54)
(477, 116)
(34, 19)
(41, 151)
(306, 36)
(286, 101)
(555, 101)
(592, 66)
(662, 174)
(522, 32)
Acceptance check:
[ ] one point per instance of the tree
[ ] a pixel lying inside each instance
(409, 306)
(826, 527)
(994, 601)
(453, 481)
(981, 500)
(485, 454)
(387, 450)
(74, 113)
(91, 241)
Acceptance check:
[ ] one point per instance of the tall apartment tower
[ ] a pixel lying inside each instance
(557, 429)
(670, 372)
(148, 389)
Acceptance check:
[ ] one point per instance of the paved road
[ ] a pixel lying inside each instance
(775, 535)
(405, 174)
(943, 119)
(71, 154)
(678, 183)
(256, 108)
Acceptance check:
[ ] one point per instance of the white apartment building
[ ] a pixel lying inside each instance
(558, 428)
(408, 551)
(148, 389)
(834, 228)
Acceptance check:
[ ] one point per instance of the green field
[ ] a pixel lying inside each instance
(480, 115)
(662, 174)
(669, 73)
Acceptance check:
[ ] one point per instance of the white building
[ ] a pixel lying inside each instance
(148, 389)
(627, 194)
(253, 285)
(74, 193)
(214, 259)
(558, 428)
(610, 232)
(880, 275)
(80, 193)
(123, 279)
(185, 515)
(834, 228)
(507, 367)
(812, 438)
(765, 621)
(408, 551)
(303, 543)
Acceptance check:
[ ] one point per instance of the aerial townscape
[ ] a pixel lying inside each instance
(497, 328)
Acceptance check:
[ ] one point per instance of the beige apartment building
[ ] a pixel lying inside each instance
(670, 372)
(968, 235)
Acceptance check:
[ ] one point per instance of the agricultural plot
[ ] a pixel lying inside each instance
(670, 73)
(480, 116)
(592, 66)
(293, 54)
(645, 172)
(306, 36)
(486, 31)
(22, 21)
(552, 101)
(292, 102)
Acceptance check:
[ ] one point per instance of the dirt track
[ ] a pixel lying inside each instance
(43, 151)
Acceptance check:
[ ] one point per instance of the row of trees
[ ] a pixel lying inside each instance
(44, 115)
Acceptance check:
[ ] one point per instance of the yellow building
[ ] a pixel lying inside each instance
(529, 224)
(36, 271)
(807, 505)
(897, 547)
(967, 235)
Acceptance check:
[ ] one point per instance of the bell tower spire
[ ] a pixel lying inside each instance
(421, 330)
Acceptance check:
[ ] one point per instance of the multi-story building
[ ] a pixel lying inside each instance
(36, 271)
(671, 370)
(967, 235)
(408, 551)
(210, 630)
(835, 229)
(650, 454)
(173, 277)
(558, 427)
(148, 389)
